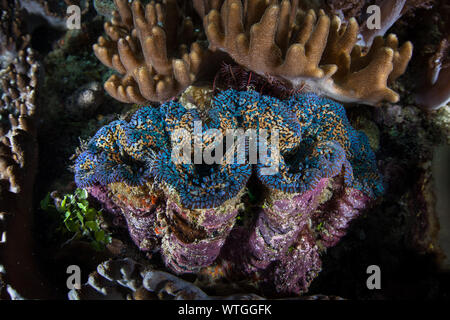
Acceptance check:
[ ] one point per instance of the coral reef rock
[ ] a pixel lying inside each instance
(271, 38)
(308, 48)
(18, 165)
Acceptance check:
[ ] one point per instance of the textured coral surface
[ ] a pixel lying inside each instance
(359, 115)
(199, 203)
(268, 37)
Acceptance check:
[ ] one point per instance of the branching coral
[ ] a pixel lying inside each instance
(18, 73)
(149, 48)
(192, 208)
(435, 89)
(272, 38)
(307, 48)
(18, 162)
(13, 37)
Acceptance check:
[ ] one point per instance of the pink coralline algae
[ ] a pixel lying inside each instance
(232, 220)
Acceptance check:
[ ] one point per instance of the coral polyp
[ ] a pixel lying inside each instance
(319, 153)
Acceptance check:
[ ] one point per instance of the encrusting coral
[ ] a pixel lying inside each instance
(149, 47)
(188, 210)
